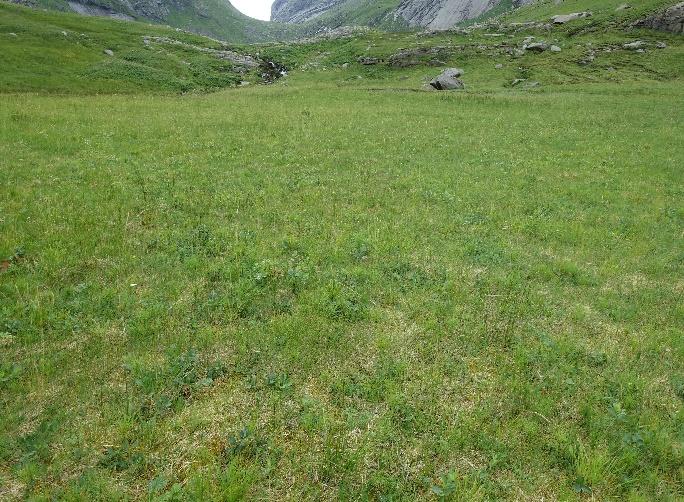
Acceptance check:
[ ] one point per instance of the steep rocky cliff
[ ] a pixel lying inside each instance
(299, 11)
(436, 14)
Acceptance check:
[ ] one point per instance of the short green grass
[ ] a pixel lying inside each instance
(342, 287)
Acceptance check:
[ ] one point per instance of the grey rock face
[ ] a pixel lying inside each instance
(448, 80)
(566, 18)
(432, 14)
(536, 47)
(441, 14)
(94, 10)
(635, 46)
(299, 11)
(671, 20)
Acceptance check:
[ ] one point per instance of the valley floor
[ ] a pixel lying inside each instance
(311, 292)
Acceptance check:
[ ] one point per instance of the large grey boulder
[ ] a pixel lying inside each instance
(536, 46)
(566, 18)
(671, 19)
(634, 46)
(448, 80)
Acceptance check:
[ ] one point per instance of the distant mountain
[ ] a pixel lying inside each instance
(291, 18)
(437, 14)
(215, 18)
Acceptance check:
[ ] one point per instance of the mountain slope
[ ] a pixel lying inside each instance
(216, 18)
(55, 52)
(436, 14)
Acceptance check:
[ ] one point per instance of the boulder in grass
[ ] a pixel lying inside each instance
(368, 61)
(448, 80)
(634, 46)
(536, 47)
(566, 18)
(109, 52)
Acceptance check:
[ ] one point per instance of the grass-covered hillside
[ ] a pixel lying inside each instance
(65, 53)
(341, 286)
(215, 18)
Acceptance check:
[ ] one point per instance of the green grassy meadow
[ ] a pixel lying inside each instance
(343, 287)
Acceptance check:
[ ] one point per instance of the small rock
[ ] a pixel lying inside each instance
(622, 7)
(64, 33)
(517, 81)
(12, 34)
(528, 40)
(536, 47)
(368, 61)
(634, 46)
(566, 18)
(109, 52)
(345, 65)
(499, 66)
(661, 45)
(555, 48)
(245, 83)
(448, 80)
(588, 59)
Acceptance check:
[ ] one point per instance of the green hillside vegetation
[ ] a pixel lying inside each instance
(64, 53)
(219, 19)
(341, 285)
(604, 11)
(215, 18)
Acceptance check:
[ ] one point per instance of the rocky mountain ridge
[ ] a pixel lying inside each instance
(433, 14)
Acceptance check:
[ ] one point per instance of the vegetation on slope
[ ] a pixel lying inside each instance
(65, 53)
(215, 18)
(338, 286)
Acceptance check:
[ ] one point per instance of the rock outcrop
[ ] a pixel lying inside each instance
(671, 19)
(566, 18)
(299, 11)
(432, 14)
(448, 80)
